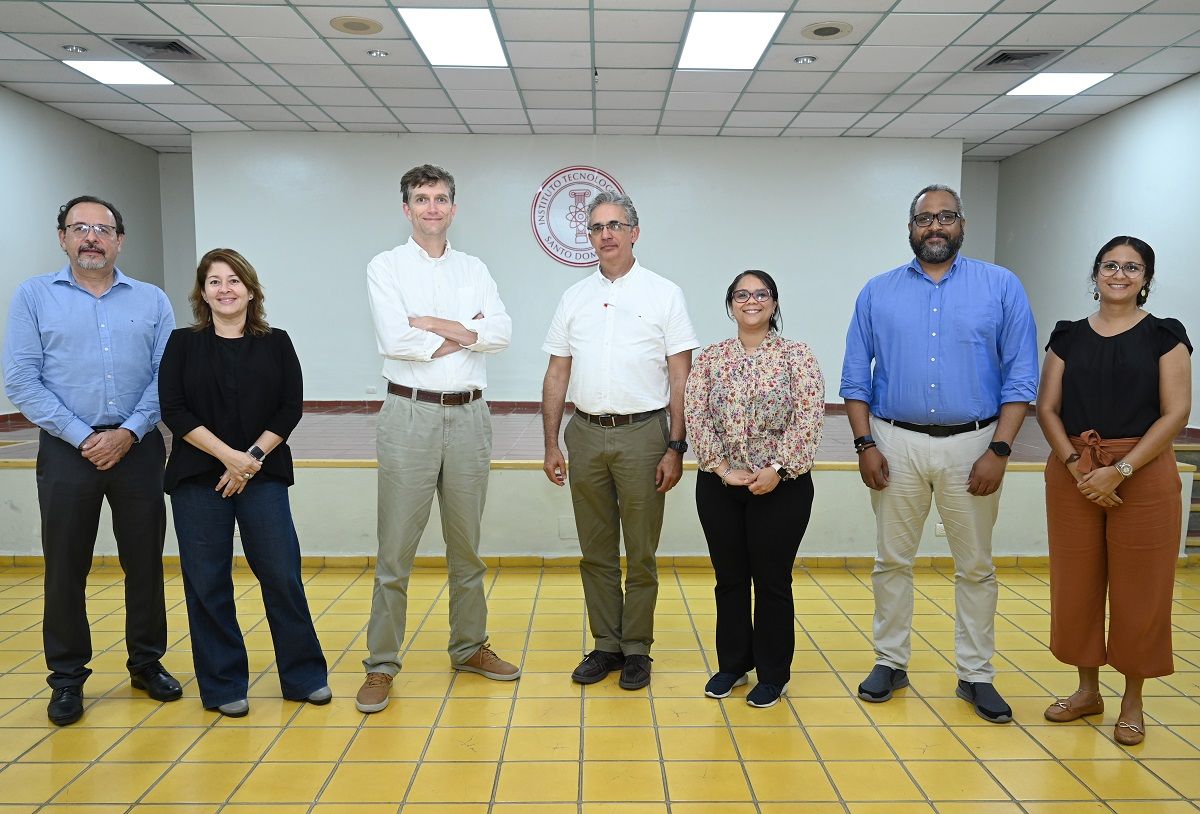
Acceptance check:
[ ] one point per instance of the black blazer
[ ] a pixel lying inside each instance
(270, 397)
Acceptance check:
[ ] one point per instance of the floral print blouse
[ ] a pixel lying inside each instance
(756, 409)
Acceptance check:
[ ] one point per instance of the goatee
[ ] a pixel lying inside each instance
(937, 253)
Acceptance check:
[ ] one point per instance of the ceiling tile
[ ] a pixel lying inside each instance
(550, 54)
(215, 127)
(487, 98)
(635, 55)
(1151, 29)
(258, 21)
(859, 132)
(258, 74)
(502, 129)
(192, 113)
(223, 49)
(924, 82)
(995, 150)
(476, 78)
(161, 94)
(630, 99)
(1094, 6)
(783, 57)
(399, 52)
(389, 76)
(231, 94)
(814, 132)
(694, 118)
(992, 83)
(704, 81)
(990, 28)
(568, 116)
(844, 102)
(739, 5)
(639, 26)
(626, 130)
(1055, 121)
(759, 118)
(1093, 104)
(1018, 6)
(37, 70)
(642, 117)
(793, 27)
(1000, 121)
(1171, 7)
(439, 128)
(950, 103)
(897, 58)
(956, 57)
(681, 100)
(559, 98)
(551, 79)
(280, 126)
(1021, 104)
(350, 113)
(285, 51)
(259, 113)
(286, 95)
(940, 5)
(328, 127)
(64, 92)
(413, 97)
(1171, 60)
(197, 73)
(309, 113)
(563, 129)
(323, 75)
(360, 97)
(51, 45)
(35, 18)
(920, 29)
(794, 81)
(900, 102)
(543, 24)
(161, 141)
(1141, 84)
(1060, 29)
(1096, 59)
(806, 119)
(428, 115)
(534, 3)
(773, 101)
(494, 116)
(919, 124)
(130, 127)
(319, 17)
(632, 79)
(89, 110)
(184, 17)
(394, 127)
(126, 19)
(875, 120)
(864, 82)
(751, 132)
(1027, 136)
(672, 130)
(12, 49)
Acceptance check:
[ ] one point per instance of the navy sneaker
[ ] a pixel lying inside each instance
(765, 695)
(987, 702)
(721, 684)
(878, 686)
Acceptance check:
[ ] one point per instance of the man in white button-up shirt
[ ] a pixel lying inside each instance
(622, 340)
(436, 314)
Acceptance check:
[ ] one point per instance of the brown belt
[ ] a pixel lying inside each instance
(434, 397)
(616, 420)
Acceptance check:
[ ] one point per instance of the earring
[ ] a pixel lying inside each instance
(1095, 293)
(1145, 292)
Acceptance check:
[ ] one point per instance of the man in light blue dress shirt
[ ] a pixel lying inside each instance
(940, 366)
(81, 361)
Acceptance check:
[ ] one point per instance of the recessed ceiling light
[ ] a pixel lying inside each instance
(1057, 84)
(75, 49)
(805, 59)
(118, 72)
(729, 40)
(832, 30)
(355, 25)
(377, 53)
(463, 37)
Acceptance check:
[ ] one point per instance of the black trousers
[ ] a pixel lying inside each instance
(753, 540)
(70, 492)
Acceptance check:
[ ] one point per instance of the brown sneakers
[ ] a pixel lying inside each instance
(1081, 703)
(489, 665)
(373, 695)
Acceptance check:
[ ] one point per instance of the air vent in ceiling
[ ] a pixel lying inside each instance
(173, 50)
(1020, 61)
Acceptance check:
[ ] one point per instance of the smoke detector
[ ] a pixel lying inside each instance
(356, 25)
(831, 30)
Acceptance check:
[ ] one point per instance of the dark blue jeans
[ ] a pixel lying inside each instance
(204, 525)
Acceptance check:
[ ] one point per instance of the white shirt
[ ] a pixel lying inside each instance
(619, 335)
(406, 282)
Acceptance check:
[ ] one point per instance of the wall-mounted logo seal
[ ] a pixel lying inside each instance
(559, 213)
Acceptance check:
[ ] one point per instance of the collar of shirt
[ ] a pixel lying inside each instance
(623, 279)
(65, 276)
(424, 255)
(915, 265)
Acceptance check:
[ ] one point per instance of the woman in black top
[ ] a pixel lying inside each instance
(1116, 390)
(231, 393)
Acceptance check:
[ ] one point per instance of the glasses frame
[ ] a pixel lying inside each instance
(1138, 269)
(614, 226)
(81, 230)
(759, 295)
(944, 218)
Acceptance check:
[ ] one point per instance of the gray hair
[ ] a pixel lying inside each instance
(623, 201)
(912, 208)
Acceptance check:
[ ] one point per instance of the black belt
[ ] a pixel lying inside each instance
(434, 397)
(942, 430)
(616, 420)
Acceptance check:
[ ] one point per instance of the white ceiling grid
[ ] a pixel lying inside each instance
(601, 67)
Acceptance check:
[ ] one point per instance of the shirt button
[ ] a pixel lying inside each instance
(935, 310)
(108, 375)
(933, 358)
(933, 411)
(106, 350)
(933, 385)
(934, 333)
(101, 324)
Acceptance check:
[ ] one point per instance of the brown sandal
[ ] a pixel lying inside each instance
(1128, 734)
(1081, 703)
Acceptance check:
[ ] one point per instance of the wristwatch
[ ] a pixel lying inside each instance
(256, 453)
(1124, 467)
(1000, 448)
(679, 446)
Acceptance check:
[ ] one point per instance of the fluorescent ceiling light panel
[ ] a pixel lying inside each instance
(460, 37)
(118, 72)
(730, 40)
(1057, 84)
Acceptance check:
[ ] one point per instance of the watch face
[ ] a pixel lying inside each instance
(1000, 448)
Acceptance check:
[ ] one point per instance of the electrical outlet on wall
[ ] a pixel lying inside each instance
(939, 529)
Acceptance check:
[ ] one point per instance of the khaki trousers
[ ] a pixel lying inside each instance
(425, 449)
(612, 488)
(1127, 552)
(922, 467)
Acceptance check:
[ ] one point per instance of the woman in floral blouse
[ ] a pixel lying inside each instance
(755, 406)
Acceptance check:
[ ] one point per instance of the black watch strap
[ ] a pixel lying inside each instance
(680, 446)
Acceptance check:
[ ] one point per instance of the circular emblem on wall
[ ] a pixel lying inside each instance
(559, 213)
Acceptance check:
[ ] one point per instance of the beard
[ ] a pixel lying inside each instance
(91, 262)
(930, 253)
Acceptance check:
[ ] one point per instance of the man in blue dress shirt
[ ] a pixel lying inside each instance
(81, 361)
(940, 365)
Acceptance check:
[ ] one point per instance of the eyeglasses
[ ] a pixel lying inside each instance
(614, 226)
(99, 229)
(944, 218)
(1110, 268)
(742, 295)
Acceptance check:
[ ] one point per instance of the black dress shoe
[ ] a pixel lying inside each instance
(157, 682)
(66, 705)
(636, 672)
(596, 665)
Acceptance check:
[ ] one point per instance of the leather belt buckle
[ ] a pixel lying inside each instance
(612, 420)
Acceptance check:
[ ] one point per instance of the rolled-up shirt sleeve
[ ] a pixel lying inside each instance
(860, 351)
(701, 431)
(395, 338)
(1018, 346)
(495, 328)
(23, 383)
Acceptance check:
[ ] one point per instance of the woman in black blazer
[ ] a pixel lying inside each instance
(231, 393)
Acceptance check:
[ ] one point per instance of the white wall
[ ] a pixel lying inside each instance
(47, 158)
(1136, 172)
(980, 190)
(178, 231)
(310, 210)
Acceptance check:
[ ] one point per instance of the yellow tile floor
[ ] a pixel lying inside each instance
(460, 743)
